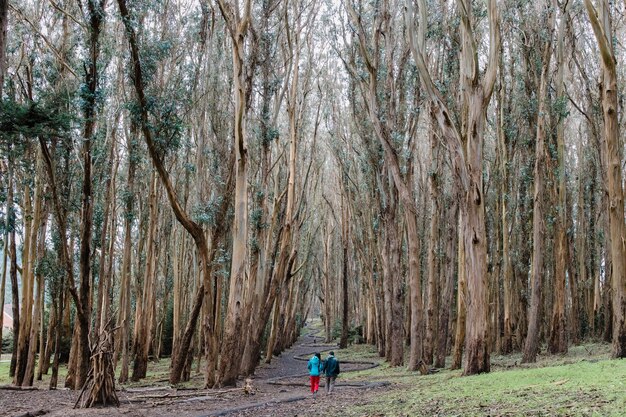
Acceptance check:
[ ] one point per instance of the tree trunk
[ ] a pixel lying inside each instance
(345, 230)
(475, 244)
(433, 287)
(506, 345)
(123, 321)
(461, 305)
(4, 8)
(31, 225)
(37, 312)
(231, 347)
(327, 289)
(448, 292)
(49, 349)
(558, 327)
(531, 346)
(602, 27)
(14, 290)
(466, 145)
(145, 316)
(7, 223)
(58, 335)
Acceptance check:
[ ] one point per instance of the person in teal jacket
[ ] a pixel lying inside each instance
(331, 370)
(315, 366)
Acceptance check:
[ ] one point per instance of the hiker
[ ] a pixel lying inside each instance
(331, 370)
(315, 366)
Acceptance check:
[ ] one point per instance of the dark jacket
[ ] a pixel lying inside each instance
(331, 366)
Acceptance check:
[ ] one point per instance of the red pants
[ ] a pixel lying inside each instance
(315, 383)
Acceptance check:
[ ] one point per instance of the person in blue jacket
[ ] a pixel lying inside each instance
(315, 365)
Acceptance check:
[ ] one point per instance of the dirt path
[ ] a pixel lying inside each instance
(280, 389)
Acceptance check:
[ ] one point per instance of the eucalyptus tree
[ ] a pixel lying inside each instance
(601, 22)
(206, 249)
(4, 22)
(558, 325)
(465, 141)
(541, 161)
(94, 15)
(238, 19)
(391, 121)
(264, 216)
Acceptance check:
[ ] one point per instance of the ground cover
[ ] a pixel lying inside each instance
(582, 383)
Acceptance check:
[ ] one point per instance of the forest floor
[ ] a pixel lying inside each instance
(279, 389)
(582, 383)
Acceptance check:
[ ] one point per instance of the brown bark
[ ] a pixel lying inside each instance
(37, 312)
(7, 223)
(145, 313)
(602, 27)
(101, 312)
(231, 351)
(433, 286)
(448, 291)
(271, 340)
(383, 130)
(466, 146)
(327, 288)
(52, 325)
(124, 301)
(388, 222)
(345, 231)
(4, 9)
(14, 289)
(531, 346)
(461, 305)
(59, 307)
(558, 326)
(506, 345)
(31, 225)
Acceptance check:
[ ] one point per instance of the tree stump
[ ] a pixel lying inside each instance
(99, 389)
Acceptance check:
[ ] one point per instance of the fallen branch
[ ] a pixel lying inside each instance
(33, 413)
(14, 388)
(149, 389)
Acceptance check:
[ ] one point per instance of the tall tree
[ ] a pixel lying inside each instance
(378, 56)
(601, 23)
(466, 146)
(541, 162)
(237, 22)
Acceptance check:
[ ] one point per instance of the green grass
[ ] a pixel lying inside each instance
(572, 385)
(5, 379)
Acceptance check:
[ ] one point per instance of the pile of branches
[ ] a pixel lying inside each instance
(99, 389)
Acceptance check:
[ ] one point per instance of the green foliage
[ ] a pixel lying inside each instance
(256, 219)
(7, 342)
(560, 107)
(207, 213)
(31, 120)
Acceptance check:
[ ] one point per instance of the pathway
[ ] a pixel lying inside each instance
(279, 389)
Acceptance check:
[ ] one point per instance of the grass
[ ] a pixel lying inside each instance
(582, 383)
(157, 372)
(5, 379)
